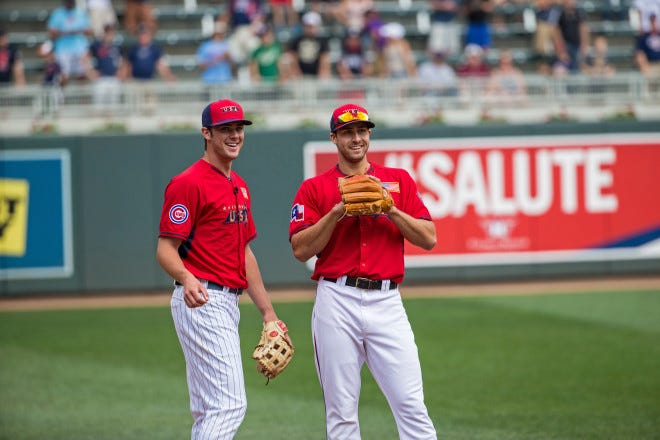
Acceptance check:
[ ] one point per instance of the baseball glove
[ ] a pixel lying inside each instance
(273, 352)
(364, 195)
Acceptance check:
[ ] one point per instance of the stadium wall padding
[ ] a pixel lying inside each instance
(117, 188)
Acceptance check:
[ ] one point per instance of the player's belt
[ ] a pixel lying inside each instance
(216, 286)
(364, 283)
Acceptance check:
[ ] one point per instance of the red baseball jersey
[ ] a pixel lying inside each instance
(362, 246)
(211, 213)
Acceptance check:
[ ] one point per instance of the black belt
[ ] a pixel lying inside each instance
(216, 286)
(363, 283)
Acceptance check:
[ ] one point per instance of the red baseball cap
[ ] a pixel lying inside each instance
(349, 114)
(222, 112)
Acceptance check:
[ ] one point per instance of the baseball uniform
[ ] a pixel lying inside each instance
(203, 207)
(358, 315)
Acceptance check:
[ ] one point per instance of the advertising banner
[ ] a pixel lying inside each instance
(35, 214)
(527, 199)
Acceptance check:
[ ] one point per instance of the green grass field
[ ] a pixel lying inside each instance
(569, 366)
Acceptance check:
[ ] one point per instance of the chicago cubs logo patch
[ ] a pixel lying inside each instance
(178, 214)
(298, 213)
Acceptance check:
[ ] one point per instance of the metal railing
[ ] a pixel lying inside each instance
(156, 98)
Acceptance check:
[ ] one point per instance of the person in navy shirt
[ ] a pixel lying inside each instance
(107, 61)
(647, 50)
(146, 59)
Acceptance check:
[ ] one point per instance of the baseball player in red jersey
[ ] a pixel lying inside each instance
(358, 314)
(205, 229)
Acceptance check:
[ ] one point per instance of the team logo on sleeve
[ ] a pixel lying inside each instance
(245, 193)
(178, 214)
(298, 213)
(392, 187)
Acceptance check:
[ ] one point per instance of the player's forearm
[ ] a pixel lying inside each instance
(312, 240)
(419, 232)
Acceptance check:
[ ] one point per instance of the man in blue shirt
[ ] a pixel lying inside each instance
(69, 28)
(214, 58)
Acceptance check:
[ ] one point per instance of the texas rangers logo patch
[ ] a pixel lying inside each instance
(298, 213)
(178, 214)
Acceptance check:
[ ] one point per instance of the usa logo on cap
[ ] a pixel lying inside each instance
(178, 214)
(222, 112)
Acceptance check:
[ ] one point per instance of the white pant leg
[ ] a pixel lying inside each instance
(392, 358)
(211, 346)
(339, 353)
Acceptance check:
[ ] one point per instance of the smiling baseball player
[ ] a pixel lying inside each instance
(355, 218)
(205, 229)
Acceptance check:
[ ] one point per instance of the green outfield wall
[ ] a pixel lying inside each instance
(117, 184)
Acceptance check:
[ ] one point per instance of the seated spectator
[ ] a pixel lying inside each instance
(647, 50)
(355, 61)
(266, 58)
(101, 13)
(11, 64)
(597, 63)
(396, 59)
(146, 59)
(308, 55)
(473, 64)
(473, 72)
(139, 14)
(506, 84)
(213, 57)
(438, 75)
(69, 29)
(444, 35)
(142, 63)
(107, 61)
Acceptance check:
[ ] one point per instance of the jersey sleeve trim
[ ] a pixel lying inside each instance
(172, 234)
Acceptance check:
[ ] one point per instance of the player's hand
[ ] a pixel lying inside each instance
(194, 293)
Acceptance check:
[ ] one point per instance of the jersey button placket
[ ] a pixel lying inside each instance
(363, 240)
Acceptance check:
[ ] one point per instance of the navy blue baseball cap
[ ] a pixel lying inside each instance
(222, 112)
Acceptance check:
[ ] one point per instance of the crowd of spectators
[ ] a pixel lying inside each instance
(271, 42)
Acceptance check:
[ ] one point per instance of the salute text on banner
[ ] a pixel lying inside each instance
(527, 199)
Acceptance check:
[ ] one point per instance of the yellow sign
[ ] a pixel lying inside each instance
(13, 216)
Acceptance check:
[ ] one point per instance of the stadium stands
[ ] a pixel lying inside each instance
(180, 31)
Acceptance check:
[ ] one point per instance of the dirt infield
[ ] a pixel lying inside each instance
(159, 299)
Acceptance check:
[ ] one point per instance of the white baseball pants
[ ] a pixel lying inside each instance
(351, 326)
(211, 346)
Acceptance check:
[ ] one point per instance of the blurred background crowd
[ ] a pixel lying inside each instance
(282, 40)
(499, 42)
